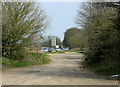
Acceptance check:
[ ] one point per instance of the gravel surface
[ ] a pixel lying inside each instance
(63, 70)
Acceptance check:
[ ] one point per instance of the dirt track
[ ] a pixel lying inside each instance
(63, 70)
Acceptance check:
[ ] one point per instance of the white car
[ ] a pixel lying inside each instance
(58, 49)
(45, 50)
(66, 48)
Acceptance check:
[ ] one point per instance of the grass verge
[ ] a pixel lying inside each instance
(57, 52)
(78, 51)
(102, 69)
(30, 60)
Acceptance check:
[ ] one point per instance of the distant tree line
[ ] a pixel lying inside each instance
(75, 38)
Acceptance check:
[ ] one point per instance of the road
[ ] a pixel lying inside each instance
(63, 70)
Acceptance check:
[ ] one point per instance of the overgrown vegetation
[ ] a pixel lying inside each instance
(29, 60)
(100, 23)
(99, 35)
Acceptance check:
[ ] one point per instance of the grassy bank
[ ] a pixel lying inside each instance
(57, 52)
(78, 51)
(102, 69)
(30, 60)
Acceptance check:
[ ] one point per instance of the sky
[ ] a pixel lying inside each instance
(62, 17)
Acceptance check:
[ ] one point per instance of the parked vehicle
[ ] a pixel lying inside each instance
(58, 49)
(45, 50)
(66, 48)
(62, 49)
(49, 50)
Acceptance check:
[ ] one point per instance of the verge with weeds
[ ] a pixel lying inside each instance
(29, 60)
(57, 52)
(102, 69)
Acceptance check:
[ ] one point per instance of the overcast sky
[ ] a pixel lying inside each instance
(62, 15)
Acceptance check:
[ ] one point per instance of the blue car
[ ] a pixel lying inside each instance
(49, 50)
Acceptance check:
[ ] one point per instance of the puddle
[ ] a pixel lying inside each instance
(76, 59)
(33, 71)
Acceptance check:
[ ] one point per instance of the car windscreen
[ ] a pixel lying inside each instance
(44, 48)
